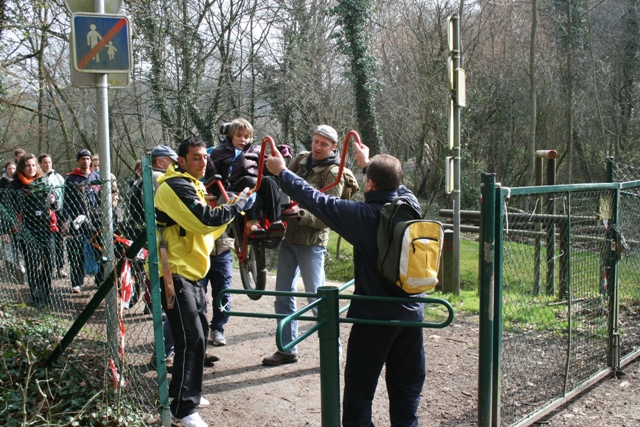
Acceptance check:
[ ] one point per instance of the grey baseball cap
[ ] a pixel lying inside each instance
(328, 132)
(163, 150)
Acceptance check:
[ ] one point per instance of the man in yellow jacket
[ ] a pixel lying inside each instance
(187, 229)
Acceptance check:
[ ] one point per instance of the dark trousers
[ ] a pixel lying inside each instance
(166, 328)
(39, 256)
(267, 197)
(370, 348)
(75, 253)
(188, 320)
(59, 240)
(219, 276)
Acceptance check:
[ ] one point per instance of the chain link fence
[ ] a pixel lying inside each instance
(554, 300)
(567, 295)
(629, 266)
(53, 257)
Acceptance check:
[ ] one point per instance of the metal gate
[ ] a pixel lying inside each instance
(559, 294)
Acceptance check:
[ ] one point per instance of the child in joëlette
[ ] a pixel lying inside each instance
(236, 161)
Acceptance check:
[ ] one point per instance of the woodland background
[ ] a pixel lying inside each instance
(541, 74)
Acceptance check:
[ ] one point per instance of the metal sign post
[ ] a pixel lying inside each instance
(89, 44)
(456, 77)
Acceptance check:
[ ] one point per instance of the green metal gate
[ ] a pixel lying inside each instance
(559, 294)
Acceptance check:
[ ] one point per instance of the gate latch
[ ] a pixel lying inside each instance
(619, 245)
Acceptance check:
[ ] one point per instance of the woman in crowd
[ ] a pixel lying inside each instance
(34, 202)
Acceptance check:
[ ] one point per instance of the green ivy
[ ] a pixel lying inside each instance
(66, 394)
(353, 19)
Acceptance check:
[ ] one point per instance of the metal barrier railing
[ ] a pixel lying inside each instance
(327, 326)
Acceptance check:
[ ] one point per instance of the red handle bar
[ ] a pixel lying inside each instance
(263, 150)
(345, 150)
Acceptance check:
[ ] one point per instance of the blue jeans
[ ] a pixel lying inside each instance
(220, 276)
(294, 260)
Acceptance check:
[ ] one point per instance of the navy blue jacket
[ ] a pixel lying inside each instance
(357, 223)
(81, 196)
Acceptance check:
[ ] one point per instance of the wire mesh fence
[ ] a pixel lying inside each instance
(629, 266)
(556, 272)
(554, 305)
(54, 258)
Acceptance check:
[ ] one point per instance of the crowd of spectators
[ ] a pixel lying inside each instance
(45, 216)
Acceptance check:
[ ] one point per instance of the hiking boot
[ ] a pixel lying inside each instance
(278, 358)
(193, 420)
(218, 338)
(210, 359)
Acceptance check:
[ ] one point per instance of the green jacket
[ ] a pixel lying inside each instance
(307, 230)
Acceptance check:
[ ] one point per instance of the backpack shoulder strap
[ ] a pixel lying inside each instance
(323, 175)
(299, 160)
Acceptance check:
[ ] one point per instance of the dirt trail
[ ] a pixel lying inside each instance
(244, 393)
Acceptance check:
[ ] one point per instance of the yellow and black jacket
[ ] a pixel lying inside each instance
(188, 224)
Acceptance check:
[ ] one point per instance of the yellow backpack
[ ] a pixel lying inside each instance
(409, 248)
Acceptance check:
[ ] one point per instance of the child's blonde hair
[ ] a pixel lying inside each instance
(239, 124)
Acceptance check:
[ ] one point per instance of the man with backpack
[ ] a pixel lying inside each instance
(303, 248)
(370, 347)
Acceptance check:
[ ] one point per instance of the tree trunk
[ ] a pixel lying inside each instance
(355, 16)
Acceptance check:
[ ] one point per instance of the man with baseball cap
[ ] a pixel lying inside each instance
(80, 215)
(302, 250)
(164, 151)
(162, 157)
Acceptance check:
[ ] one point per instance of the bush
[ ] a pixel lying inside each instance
(65, 394)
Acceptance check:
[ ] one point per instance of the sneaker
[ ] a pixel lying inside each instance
(254, 230)
(75, 289)
(62, 274)
(278, 358)
(193, 420)
(210, 359)
(218, 338)
(203, 402)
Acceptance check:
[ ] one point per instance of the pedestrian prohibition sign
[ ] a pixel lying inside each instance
(100, 43)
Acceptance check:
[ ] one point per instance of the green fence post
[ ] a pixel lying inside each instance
(154, 280)
(496, 373)
(614, 290)
(486, 275)
(329, 336)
